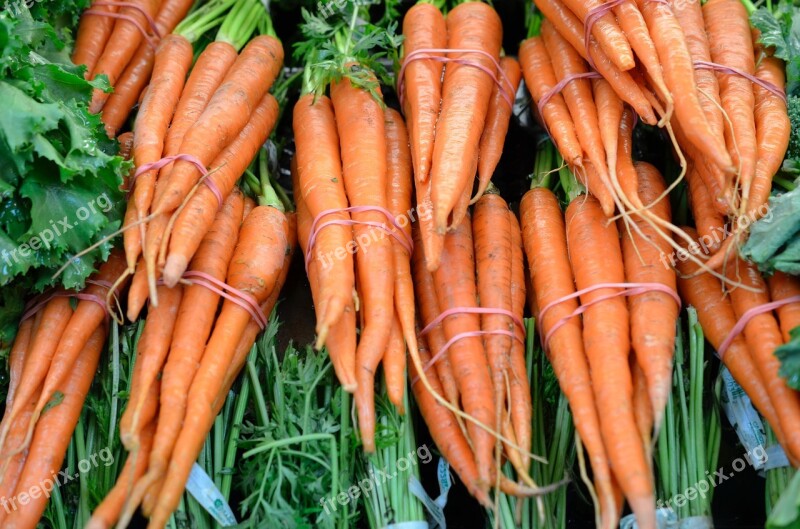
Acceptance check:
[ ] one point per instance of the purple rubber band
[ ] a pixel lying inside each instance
(557, 88)
(592, 17)
(163, 162)
(749, 315)
(766, 85)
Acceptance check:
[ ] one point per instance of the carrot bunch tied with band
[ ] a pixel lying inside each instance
(457, 94)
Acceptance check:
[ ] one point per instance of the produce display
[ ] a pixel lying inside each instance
(402, 264)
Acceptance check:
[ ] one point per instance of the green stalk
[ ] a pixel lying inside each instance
(547, 159)
(240, 23)
(202, 20)
(572, 188)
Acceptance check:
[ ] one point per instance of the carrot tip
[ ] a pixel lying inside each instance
(173, 270)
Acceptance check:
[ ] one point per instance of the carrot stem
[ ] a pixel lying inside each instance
(543, 166)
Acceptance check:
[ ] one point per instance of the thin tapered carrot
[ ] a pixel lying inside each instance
(106, 514)
(690, 18)
(596, 257)
(708, 221)
(609, 116)
(763, 336)
(152, 351)
(678, 70)
(462, 204)
(521, 406)
(137, 293)
(642, 408)
(43, 345)
(93, 33)
(53, 433)
(130, 86)
(445, 429)
(431, 241)
(16, 359)
(578, 96)
(455, 288)
(320, 178)
(773, 130)
(497, 121)
(394, 365)
(728, 20)
(540, 78)
(255, 269)
(466, 93)
(362, 136)
(653, 314)
(226, 114)
(607, 32)
(715, 313)
(121, 46)
(544, 235)
(572, 29)
(423, 28)
(428, 307)
(194, 221)
(12, 465)
(783, 286)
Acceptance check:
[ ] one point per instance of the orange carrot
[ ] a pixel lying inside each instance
(394, 365)
(783, 286)
(709, 222)
(93, 33)
(606, 31)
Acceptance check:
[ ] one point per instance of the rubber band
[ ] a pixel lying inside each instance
(38, 303)
(239, 297)
(472, 310)
(591, 19)
(628, 289)
(457, 337)
(749, 315)
(405, 240)
(130, 19)
(163, 162)
(558, 87)
(150, 21)
(425, 53)
(766, 85)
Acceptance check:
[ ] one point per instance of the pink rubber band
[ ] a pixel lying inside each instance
(628, 289)
(316, 227)
(239, 297)
(749, 315)
(766, 85)
(425, 53)
(150, 21)
(457, 337)
(38, 303)
(557, 88)
(130, 19)
(472, 310)
(163, 162)
(592, 17)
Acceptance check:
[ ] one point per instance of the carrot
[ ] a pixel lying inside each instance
(497, 121)
(54, 431)
(172, 62)
(544, 235)
(429, 310)
(609, 116)
(783, 286)
(572, 29)
(455, 288)
(540, 78)
(224, 117)
(121, 47)
(431, 241)
(653, 314)
(106, 515)
(16, 359)
(642, 410)
(690, 18)
(679, 77)
(194, 221)
(93, 33)
(423, 28)
(466, 93)
(521, 405)
(578, 96)
(255, 268)
(394, 365)
(151, 353)
(709, 222)
(13, 465)
(728, 20)
(607, 32)
(772, 133)
(716, 316)
(596, 257)
(491, 228)
(445, 430)
(137, 294)
(130, 86)
(400, 181)
(763, 336)
(320, 178)
(362, 136)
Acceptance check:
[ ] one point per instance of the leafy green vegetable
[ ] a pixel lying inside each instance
(60, 178)
(773, 242)
(789, 355)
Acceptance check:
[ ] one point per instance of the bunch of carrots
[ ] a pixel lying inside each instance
(472, 349)
(457, 94)
(693, 70)
(614, 363)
